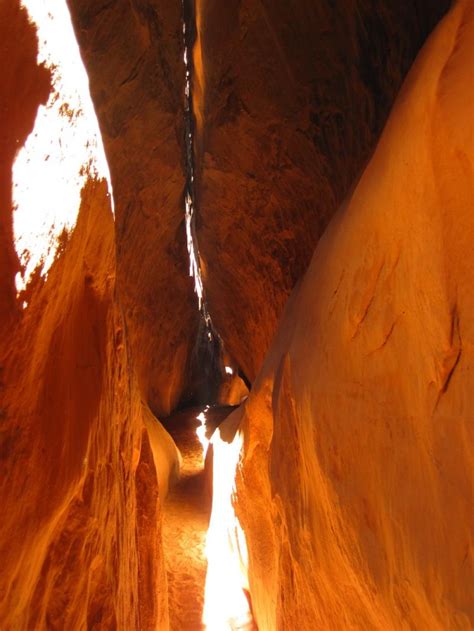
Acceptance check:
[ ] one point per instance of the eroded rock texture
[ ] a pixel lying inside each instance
(80, 544)
(133, 53)
(79, 535)
(356, 491)
(290, 97)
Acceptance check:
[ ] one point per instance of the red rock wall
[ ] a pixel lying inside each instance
(80, 544)
(289, 100)
(290, 97)
(356, 492)
(79, 536)
(134, 57)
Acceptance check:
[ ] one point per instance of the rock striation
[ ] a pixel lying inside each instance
(356, 484)
(80, 535)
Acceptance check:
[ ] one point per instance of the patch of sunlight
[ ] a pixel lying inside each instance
(64, 147)
(226, 606)
(201, 432)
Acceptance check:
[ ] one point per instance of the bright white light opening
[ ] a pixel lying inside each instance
(201, 432)
(226, 607)
(194, 269)
(64, 147)
(194, 263)
(229, 370)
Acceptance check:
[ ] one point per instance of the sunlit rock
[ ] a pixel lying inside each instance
(24, 86)
(353, 462)
(79, 537)
(166, 455)
(62, 151)
(356, 493)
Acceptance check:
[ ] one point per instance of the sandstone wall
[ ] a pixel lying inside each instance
(133, 53)
(355, 487)
(356, 492)
(79, 535)
(80, 544)
(290, 97)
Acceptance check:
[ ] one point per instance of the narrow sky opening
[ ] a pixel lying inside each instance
(189, 198)
(64, 147)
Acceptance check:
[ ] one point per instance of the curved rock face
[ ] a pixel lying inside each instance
(79, 535)
(133, 53)
(356, 489)
(290, 97)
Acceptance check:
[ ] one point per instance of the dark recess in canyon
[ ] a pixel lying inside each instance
(206, 367)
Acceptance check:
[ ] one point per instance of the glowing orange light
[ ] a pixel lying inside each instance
(226, 607)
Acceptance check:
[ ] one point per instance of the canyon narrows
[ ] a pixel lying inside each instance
(204, 547)
(312, 165)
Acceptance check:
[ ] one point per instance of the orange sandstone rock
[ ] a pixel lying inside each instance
(133, 54)
(290, 98)
(80, 529)
(356, 490)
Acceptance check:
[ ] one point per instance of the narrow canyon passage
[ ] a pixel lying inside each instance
(186, 514)
(237, 388)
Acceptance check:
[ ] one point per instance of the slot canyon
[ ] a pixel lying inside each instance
(237, 315)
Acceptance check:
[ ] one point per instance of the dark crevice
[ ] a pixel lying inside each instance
(207, 367)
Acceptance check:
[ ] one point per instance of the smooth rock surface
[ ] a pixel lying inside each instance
(290, 97)
(356, 492)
